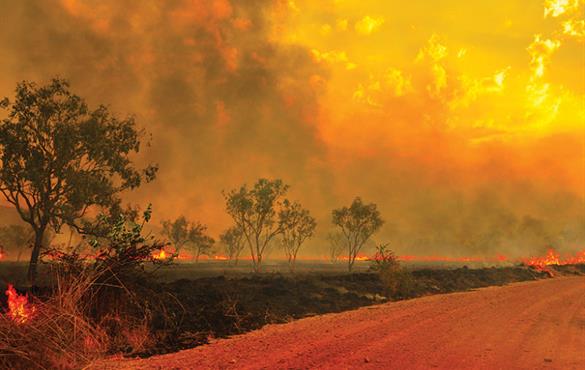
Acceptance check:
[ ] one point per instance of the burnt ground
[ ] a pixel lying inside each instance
(217, 307)
(205, 308)
(526, 325)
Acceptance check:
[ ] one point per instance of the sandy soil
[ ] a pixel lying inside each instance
(534, 325)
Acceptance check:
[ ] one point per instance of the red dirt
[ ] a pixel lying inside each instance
(534, 325)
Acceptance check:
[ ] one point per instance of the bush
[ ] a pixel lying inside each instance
(101, 303)
(397, 280)
(57, 336)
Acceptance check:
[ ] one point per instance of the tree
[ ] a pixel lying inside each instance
(357, 222)
(336, 245)
(177, 231)
(297, 225)
(59, 158)
(200, 241)
(255, 212)
(18, 237)
(233, 239)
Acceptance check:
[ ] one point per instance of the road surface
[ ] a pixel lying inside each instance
(533, 325)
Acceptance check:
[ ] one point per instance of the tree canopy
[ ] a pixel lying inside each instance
(255, 212)
(357, 222)
(59, 158)
(297, 226)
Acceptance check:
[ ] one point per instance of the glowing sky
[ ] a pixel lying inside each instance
(459, 118)
(507, 71)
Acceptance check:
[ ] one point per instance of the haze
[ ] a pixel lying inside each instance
(467, 131)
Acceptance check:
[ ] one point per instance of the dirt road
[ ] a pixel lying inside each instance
(534, 325)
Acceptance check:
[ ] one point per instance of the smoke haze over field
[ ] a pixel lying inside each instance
(468, 133)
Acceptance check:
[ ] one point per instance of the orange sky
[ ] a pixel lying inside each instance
(444, 115)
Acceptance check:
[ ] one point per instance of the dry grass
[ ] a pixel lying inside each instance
(57, 336)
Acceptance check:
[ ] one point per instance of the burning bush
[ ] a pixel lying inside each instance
(120, 299)
(398, 281)
(100, 303)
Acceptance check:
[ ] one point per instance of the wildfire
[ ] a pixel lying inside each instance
(161, 255)
(554, 258)
(220, 258)
(578, 258)
(20, 310)
(360, 257)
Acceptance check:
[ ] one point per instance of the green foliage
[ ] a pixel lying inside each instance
(121, 251)
(398, 281)
(255, 212)
(120, 292)
(357, 222)
(297, 225)
(59, 157)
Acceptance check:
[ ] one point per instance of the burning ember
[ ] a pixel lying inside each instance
(20, 310)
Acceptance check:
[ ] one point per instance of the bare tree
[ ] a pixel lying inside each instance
(297, 225)
(233, 239)
(255, 212)
(357, 222)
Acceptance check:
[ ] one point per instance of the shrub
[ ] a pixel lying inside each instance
(57, 336)
(121, 298)
(398, 281)
(99, 303)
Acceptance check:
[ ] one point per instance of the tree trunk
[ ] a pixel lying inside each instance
(34, 256)
(350, 259)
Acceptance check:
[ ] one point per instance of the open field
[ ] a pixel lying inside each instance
(529, 325)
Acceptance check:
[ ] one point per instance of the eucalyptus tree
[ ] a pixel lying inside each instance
(233, 240)
(59, 158)
(255, 212)
(358, 223)
(198, 239)
(297, 225)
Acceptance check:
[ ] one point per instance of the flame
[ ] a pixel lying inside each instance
(578, 258)
(2, 254)
(220, 258)
(359, 257)
(20, 310)
(161, 255)
(551, 258)
(554, 258)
